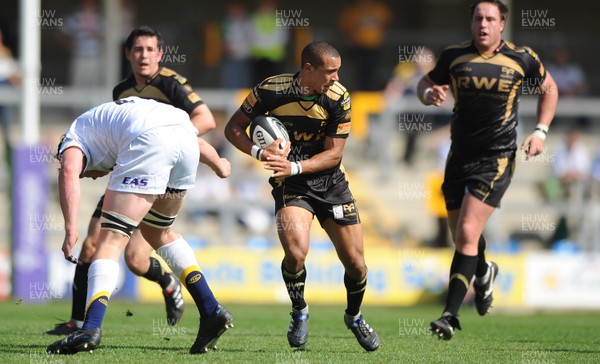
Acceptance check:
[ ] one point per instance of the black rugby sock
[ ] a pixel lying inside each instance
(482, 266)
(355, 291)
(79, 290)
(157, 274)
(461, 272)
(294, 283)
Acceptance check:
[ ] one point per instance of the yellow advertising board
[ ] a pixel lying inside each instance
(397, 277)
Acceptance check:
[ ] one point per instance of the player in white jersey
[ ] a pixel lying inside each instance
(151, 151)
(120, 134)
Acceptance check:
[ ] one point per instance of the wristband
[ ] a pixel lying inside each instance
(256, 151)
(296, 168)
(541, 127)
(540, 134)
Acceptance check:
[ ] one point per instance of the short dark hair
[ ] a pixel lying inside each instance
(315, 52)
(502, 7)
(142, 31)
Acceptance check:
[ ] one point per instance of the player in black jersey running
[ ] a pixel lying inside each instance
(485, 76)
(315, 109)
(150, 81)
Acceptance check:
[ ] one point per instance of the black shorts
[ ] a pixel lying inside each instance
(326, 196)
(486, 178)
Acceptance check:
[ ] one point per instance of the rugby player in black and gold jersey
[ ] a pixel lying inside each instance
(485, 76)
(148, 80)
(308, 179)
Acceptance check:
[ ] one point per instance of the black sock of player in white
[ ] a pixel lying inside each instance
(79, 290)
(157, 274)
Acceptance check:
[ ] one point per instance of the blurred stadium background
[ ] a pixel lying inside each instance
(545, 238)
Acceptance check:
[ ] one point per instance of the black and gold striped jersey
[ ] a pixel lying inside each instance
(165, 86)
(308, 120)
(486, 90)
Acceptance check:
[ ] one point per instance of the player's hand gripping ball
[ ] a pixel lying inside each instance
(264, 130)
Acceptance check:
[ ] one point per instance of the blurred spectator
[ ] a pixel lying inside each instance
(9, 76)
(595, 174)
(83, 36)
(591, 216)
(404, 83)
(571, 169)
(569, 76)
(570, 80)
(408, 73)
(236, 67)
(251, 192)
(209, 194)
(364, 25)
(572, 163)
(268, 42)
(239, 200)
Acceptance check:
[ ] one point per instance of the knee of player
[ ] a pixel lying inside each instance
(91, 239)
(300, 251)
(90, 242)
(158, 237)
(467, 233)
(295, 258)
(88, 248)
(355, 266)
(133, 259)
(94, 228)
(133, 262)
(468, 228)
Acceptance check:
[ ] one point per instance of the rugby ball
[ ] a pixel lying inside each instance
(264, 130)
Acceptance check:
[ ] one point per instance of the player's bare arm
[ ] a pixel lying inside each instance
(329, 158)
(235, 132)
(203, 119)
(534, 144)
(69, 192)
(210, 157)
(430, 93)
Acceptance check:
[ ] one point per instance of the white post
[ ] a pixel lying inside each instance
(28, 175)
(509, 26)
(112, 45)
(30, 41)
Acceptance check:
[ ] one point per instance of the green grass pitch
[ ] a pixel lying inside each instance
(137, 333)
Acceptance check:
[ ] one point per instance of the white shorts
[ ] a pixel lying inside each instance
(159, 158)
